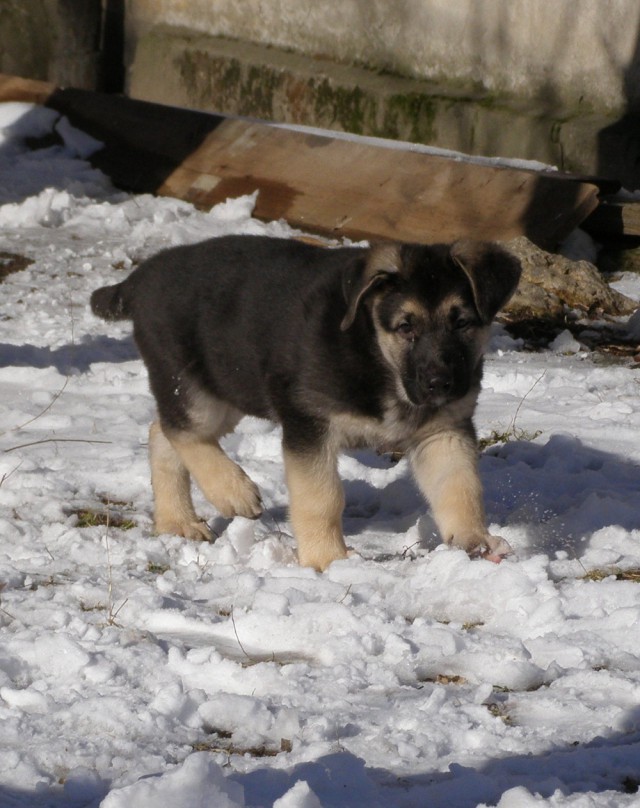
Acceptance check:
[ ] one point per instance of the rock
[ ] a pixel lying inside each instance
(551, 285)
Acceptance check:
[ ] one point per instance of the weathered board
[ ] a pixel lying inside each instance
(319, 183)
(14, 88)
(614, 218)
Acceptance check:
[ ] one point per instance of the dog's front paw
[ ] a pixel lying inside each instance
(495, 549)
(484, 545)
(320, 558)
(320, 554)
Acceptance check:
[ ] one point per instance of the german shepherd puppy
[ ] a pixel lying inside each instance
(346, 347)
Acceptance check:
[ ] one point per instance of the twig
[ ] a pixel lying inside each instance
(279, 530)
(53, 440)
(112, 615)
(408, 548)
(8, 474)
(512, 428)
(344, 597)
(235, 631)
(111, 618)
(56, 396)
(2, 609)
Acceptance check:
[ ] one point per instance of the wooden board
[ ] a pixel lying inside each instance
(614, 218)
(14, 88)
(361, 191)
(318, 183)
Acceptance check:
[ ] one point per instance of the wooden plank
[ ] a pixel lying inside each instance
(317, 182)
(14, 88)
(347, 187)
(614, 218)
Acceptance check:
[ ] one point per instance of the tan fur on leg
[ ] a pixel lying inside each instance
(221, 480)
(170, 481)
(316, 502)
(445, 467)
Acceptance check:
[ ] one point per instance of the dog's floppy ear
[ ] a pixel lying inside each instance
(378, 265)
(492, 271)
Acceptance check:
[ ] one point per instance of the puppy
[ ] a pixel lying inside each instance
(347, 347)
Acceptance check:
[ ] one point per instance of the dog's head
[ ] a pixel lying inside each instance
(431, 307)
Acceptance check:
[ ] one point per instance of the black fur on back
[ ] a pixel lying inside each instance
(254, 321)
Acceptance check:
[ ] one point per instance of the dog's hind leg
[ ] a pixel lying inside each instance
(222, 481)
(174, 512)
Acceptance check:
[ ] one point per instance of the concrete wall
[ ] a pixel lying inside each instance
(24, 48)
(560, 52)
(55, 40)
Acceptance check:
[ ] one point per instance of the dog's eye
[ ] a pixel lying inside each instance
(461, 323)
(405, 329)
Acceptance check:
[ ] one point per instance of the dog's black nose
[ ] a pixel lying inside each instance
(435, 381)
(439, 384)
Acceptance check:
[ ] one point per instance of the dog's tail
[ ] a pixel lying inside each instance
(110, 303)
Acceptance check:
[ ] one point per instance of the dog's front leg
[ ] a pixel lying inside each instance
(445, 468)
(316, 502)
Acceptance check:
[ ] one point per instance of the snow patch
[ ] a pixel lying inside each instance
(407, 674)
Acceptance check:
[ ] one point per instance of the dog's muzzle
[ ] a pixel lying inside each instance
(431, 384)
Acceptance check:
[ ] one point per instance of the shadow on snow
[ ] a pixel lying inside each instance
(342, 780)
(556, 494)
(70, 359)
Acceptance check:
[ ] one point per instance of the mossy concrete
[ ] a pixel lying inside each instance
(25, 48)
(51, 40)
(584, 53)
(238, 78)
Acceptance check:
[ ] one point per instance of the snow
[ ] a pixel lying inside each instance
(142, 670)
(434, 151)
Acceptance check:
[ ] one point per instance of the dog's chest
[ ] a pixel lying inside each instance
(401, 427)
(394, 432)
